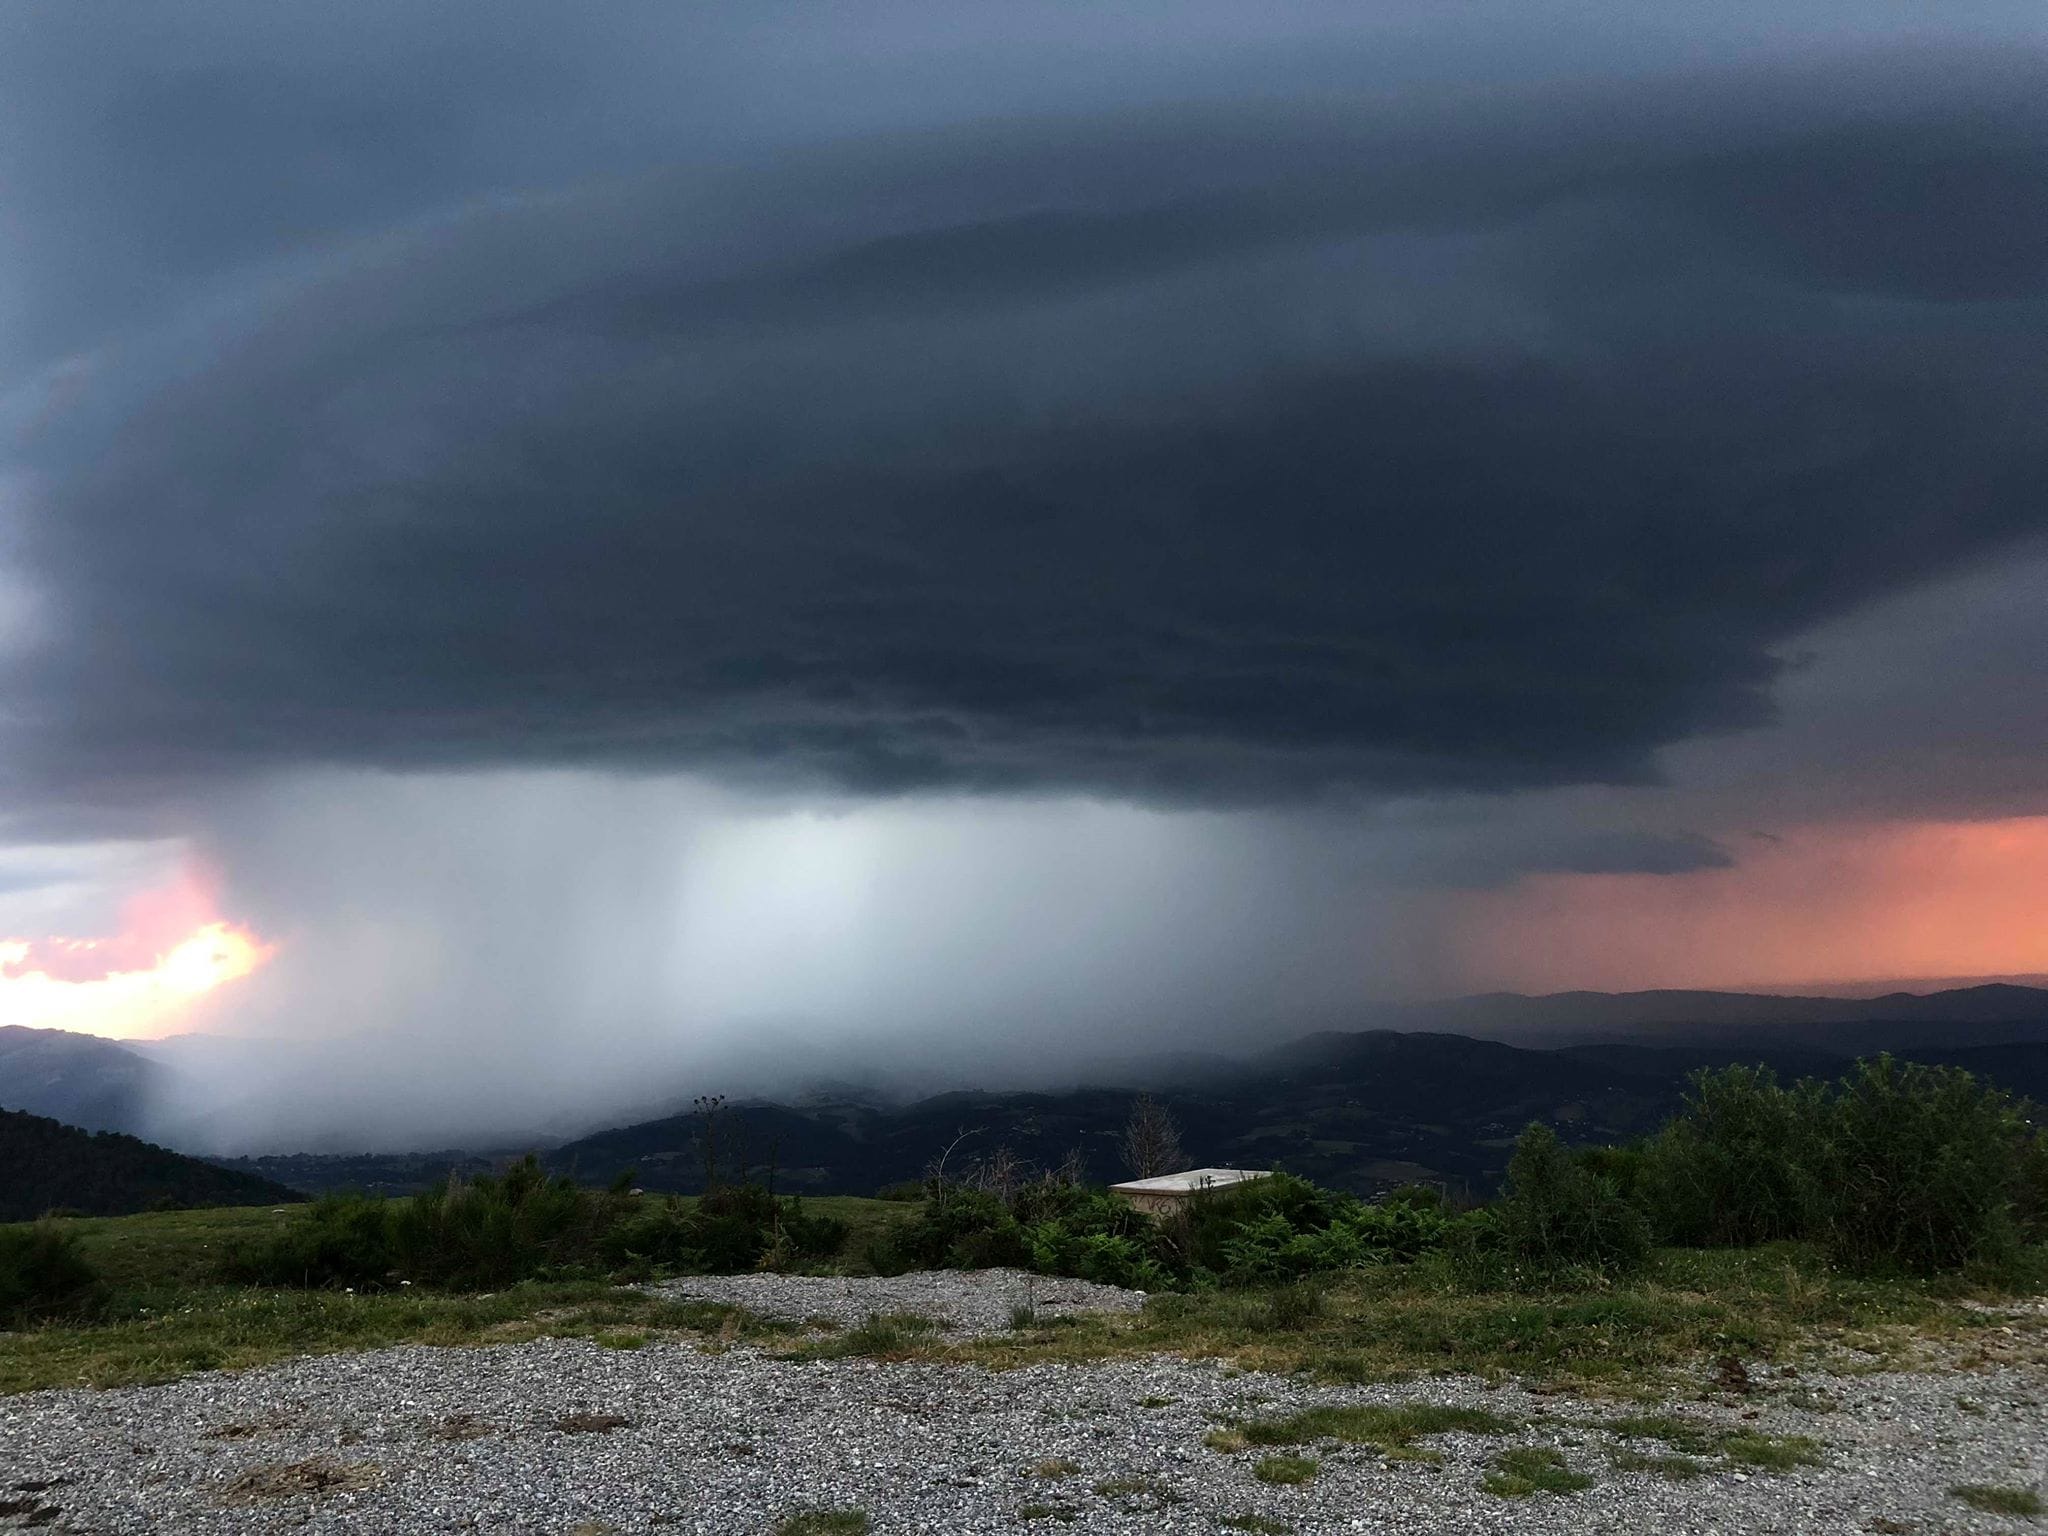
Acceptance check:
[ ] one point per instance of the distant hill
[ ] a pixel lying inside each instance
(1439, 1094)
(1362, 1111)
(78, 1079)
(1993, 1014)
(48, 1166)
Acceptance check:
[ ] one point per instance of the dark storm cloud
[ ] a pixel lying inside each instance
(1502, 854)
(1391, 441)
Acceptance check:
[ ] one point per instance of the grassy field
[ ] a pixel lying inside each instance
(168, 1315)
(1689, 1309)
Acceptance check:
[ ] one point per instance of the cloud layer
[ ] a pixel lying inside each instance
(1225, 451)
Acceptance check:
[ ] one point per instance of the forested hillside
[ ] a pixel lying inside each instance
(46, 1165)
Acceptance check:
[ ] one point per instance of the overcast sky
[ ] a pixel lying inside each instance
(621, 533)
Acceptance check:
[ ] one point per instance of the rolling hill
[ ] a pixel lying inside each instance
(79, 1079)
(1360, 1111)
(48, 1166)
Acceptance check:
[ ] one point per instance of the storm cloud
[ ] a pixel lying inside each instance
(614, 533)
(1212, 451)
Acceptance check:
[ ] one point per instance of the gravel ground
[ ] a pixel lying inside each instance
(964, 1302)
(564, 1437)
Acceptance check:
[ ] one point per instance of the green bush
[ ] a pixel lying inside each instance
(522, 1224)
(1897, 1166)
(1921, 1168)
(1737, 1166)
(494, 1231)
(965, 1229)
(719, 1237)
(2030, 1207)
(1555, 1220)
(44, 1276)
(339, 1240)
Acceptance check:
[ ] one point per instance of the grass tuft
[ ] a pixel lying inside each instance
(883, 1336)
(1772, 1453)
(1135, 1486)
(1993, 1500)
(1686, 1435)
(1528, 1469)
(1672, 1468)
(1393, 1429)
(1286, 1470)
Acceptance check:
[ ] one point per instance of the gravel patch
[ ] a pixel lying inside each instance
(964, 1302)
(568, 1438)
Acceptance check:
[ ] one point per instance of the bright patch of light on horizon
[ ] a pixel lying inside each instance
(141, 982)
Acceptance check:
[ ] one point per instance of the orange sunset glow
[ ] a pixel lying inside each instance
(1817, 904)
(173, 950)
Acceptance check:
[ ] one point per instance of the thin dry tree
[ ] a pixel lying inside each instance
(1151, 1143)
(935, 1170)
(708, 1107)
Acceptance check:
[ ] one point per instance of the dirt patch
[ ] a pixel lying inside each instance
(461, 1426)
(25, 1513)
(300, 1479)
(591, 1423)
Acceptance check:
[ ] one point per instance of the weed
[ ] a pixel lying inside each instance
(1259, 1525)
(1673, 1469)
(1291, 1308)
(43, 1274)
(1136, 1487)
(1225, 1440)
(1023, 1316)
(1155, 1402)
(1528, 1469)
(1686, 1435)
(825, 1522)
(1057, 1466)
(1993, 1500)
(1286, 1470)
(1772, 1453)
(1065, 1513)
(882, 1335)
(1392, 1429)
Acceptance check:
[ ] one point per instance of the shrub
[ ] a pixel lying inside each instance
(1737, 1166)
(2030, 1205)
(1921, 1167)
(965, 1229)
(1554, 1218)
(1283, 1202)
(44, 1276)
(811, 1239)
(494, 1231)
(338, 1240)
(726, 1235)
(1897, 1166)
